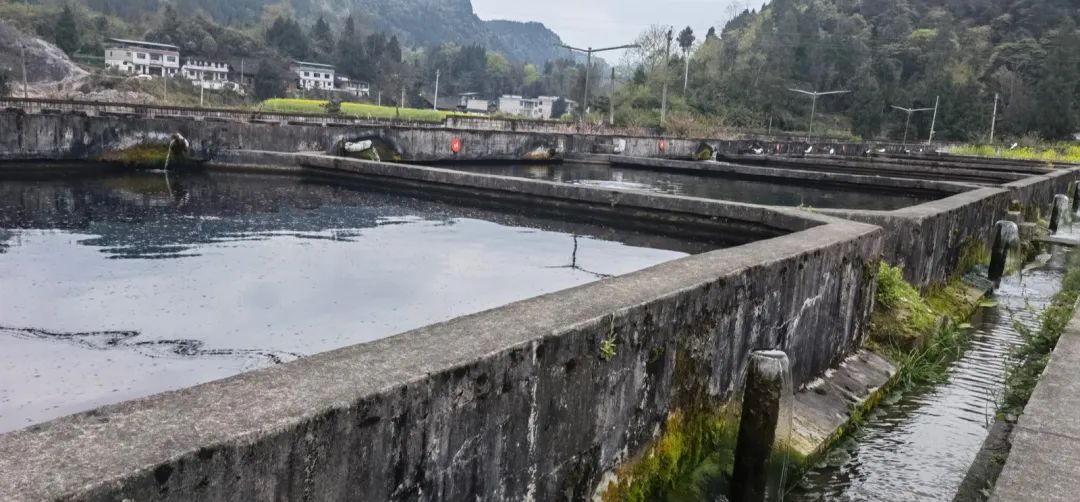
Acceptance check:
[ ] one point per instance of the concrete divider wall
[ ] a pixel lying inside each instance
(73, 136)
(929, 240)
(516, 403)
(1038, 192)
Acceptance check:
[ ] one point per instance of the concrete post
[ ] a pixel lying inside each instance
(764, 430)
(1060, 215)
(1006, 236)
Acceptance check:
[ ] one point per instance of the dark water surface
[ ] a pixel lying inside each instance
(920, 446)
(777, 192)
(120, 286)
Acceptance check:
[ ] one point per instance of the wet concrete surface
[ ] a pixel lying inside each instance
(121, 286)
(776, 192)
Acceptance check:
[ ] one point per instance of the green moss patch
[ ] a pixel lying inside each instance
(695, 452)
(144, 155)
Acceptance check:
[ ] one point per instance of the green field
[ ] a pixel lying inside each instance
(283, 105)
(1049, 153)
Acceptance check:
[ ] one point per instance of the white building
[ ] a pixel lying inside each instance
(313, 75)
(205, 73)
(354, 87)
(142, 58)
(513, 104)
(533, 108)
(472, 102)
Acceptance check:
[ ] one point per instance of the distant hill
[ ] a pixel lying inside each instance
(418, 23)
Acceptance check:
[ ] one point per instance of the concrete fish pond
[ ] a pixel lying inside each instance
(289, 323)
(732, 187)
(154, 286)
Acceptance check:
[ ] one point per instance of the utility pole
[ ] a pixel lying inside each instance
(933, 122)
(242, 77)
(588, 69)
(435, 105)
(994, 120)
(663, 93)
(814, 95)
(909, 112)
(611, 100)
(166, 79)
(202, 91)
(26, 94)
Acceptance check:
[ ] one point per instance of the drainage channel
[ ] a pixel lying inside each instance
(919, 445)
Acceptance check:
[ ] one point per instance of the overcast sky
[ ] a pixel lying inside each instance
(605, 23)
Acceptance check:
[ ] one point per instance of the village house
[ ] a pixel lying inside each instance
(212, 75)
(142, 58)
(313, 75)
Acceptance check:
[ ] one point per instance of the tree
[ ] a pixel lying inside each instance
(288, 38)
(1056, 94)
(66, 31)
(559, 108)
(270, 80)
(711, 35)
(323, 37)
(686, 41)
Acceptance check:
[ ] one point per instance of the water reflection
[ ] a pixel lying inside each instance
(779, 192)
(117, 287)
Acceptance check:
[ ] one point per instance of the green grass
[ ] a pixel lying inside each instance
(1064, 152)
(360, 110)
(1031, 358)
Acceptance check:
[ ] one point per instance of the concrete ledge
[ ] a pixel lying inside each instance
(928, 240)
(869, 167)
(1044, 463)
(878, 182)
(826, 405)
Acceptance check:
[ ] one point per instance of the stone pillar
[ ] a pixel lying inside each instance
(1006, 236)
(764, 430)
(1060, 215)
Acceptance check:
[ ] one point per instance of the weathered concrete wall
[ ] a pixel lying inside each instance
(73, 136)
(929, 240)
(516, 403)
(912, 186)
(1037, 193)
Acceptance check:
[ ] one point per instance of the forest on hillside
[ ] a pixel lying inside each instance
(886, 53)
(905, 53)
(351, 42)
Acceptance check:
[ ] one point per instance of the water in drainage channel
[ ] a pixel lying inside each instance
(919, 446)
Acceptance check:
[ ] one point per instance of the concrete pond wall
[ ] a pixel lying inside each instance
(516, 403)
(75, 136)
(928, 240)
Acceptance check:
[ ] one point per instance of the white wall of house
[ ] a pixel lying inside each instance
(314, 76)
(142, 58)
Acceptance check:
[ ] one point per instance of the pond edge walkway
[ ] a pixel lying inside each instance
(1044, 463)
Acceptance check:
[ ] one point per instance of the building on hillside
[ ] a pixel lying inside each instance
(473, 102)
(313, 75)
(354, 87)
(213, 75)
(445, 103)
(532, 108)
(142, 58)
(513, 104)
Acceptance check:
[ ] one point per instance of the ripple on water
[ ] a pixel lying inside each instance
(920, 447)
